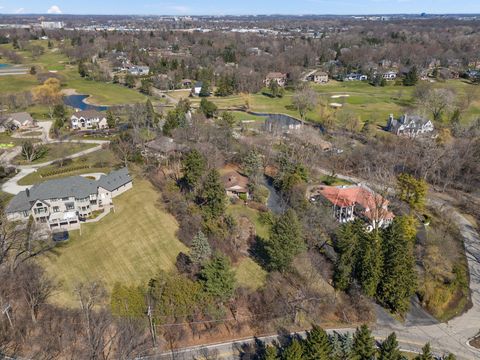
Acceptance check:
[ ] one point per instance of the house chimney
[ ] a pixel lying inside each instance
(27, 191)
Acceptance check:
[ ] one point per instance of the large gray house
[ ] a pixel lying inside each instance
(409, 125)
(63, 203)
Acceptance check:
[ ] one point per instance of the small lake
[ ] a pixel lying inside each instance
(3, 66)
(77, 102)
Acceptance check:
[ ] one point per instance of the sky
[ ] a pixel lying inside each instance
(238, 7)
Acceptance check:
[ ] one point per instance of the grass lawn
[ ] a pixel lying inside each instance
(100, 161)
(128, 246)
(17, 83)
(239, 210)
(249, 274)
(56, 151)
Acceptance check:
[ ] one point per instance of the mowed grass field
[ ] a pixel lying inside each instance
(358, 99)
(128, 246)
(56, 151)
(101, 93)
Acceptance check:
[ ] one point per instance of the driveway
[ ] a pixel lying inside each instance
(11, 186)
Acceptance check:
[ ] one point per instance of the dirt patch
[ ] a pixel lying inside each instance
(68, 92)
(475, 342)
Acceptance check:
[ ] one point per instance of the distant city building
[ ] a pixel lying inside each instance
(52, 24)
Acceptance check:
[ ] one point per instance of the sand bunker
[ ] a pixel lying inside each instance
(340, 96)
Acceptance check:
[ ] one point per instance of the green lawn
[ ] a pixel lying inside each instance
(17, 83)
(56, 151)
(101, 161)
(239, 210)
(249, 274)
(128, 246)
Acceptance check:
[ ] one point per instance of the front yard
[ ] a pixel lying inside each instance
(56, 151)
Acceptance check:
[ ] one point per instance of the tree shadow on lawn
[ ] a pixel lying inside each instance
(258, 252)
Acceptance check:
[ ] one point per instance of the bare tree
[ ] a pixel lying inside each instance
(305, 99)
(97, 324)
(36, 286)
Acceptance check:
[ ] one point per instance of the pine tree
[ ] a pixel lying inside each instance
(398, 282)
(150, 116)
(294, 351)
(346, 246)
(285, 242)
(201, 249)
(369, 265)
(317, 345)
(389, 349)
(218, 278)
(271, 353)
(193, 167)
(426, 353)
(213, 199)
(363, 344)
(110, 119)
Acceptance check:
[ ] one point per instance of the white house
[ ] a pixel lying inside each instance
(390, 75)
(89, 119)
(139, 70)
(63, 203)
(197, 88)
(319, 77)
(409, 125)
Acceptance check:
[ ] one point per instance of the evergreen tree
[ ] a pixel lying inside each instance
(171, 123)
(150, 116)
(274, 88)
(363, 344)
(193, 168)
(129, 81)
(213, 199)
(426, 353)
(208, 108)
(218, 278)
(450, 357)
(411, 78)
(205, 90)
(252, 165)
(346, 246)
(398, 281)
(285, 241)
(201, 249)
(82, 69)
(271, 353)
(111, 122)
(369, 265)
(294, 351)
(317, 345)
(412, 190)
(389, 349)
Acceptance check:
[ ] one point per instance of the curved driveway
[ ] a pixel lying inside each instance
(11, 185)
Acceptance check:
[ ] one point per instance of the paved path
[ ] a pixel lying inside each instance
(11, 186)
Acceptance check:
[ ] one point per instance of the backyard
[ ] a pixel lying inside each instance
(110, 251)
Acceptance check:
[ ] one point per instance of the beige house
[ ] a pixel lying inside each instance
(279, 77)
(319, 77)
(235, 184)
(64, 203)
(17, 121)
(89, 119)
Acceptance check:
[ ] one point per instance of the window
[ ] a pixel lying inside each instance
(70, 206)
(39, 205)
(65, 198)
(56, 209)
(25, 213)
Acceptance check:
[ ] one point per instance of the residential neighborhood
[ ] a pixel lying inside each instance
(240, 181)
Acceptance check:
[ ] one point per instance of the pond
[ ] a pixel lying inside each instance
(3, 66)
(77, 102)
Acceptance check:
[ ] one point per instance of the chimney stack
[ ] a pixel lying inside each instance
(27, 191)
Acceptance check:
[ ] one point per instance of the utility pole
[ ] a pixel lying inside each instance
(152, 326)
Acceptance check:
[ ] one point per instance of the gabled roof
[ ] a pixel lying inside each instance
(73, 186)
(89, 114)
(164, 144)
(21, 117)
(115, 179)
(234, 181)
(276, 75)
